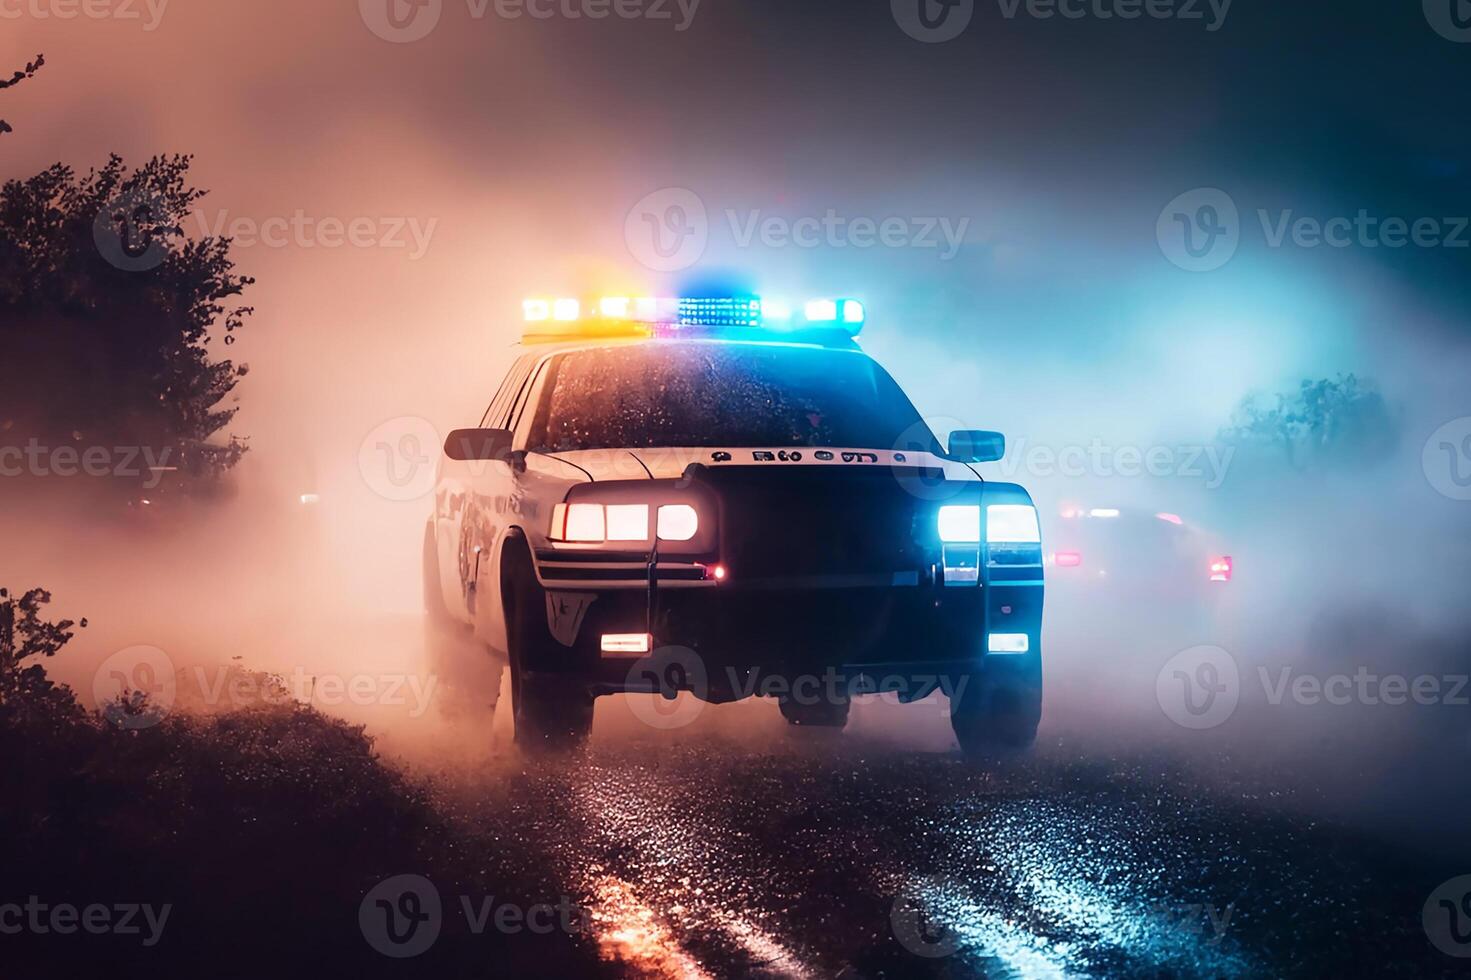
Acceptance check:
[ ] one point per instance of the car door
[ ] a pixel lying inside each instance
(464, 499)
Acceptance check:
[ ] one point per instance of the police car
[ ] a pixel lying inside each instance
(727, 496)
(1160, 580)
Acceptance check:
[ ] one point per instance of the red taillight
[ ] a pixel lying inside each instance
(1069, 559)
(1221, 569)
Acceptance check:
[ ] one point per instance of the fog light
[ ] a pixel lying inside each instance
(1008, 643)
(627, 642)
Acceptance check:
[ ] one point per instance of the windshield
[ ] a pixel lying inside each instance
(714, 394)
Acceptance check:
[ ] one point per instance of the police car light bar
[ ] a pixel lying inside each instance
(634, 316)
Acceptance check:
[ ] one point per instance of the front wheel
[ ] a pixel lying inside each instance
(549, 710)
(999, 708)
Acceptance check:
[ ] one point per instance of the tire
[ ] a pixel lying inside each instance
(999, 709)
(550, 711)
(823, 714)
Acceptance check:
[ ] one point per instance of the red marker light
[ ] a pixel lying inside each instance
(1221, 569)
(719, 572)
(1069, 559)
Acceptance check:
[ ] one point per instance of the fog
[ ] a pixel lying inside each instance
(513, 152)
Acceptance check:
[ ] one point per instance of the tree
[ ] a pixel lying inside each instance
(107, 311)
(1323, 423)
(28, 71)
(24, 635)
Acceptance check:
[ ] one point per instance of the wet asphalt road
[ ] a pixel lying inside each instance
(833, 858)
(736, 846)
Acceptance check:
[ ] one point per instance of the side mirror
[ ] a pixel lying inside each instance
(976, 446)
(488, 444)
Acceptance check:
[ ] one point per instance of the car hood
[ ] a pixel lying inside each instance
(669, 464)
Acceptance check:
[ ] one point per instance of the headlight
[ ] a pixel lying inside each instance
(596, 523)
(579, 522)
(960, 524)
(628, 522)
(1012, 524)
(678, 522)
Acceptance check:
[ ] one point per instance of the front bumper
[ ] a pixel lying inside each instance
(858, 629)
